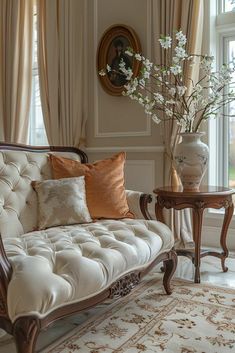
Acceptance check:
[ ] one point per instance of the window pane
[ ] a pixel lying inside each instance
(231, 111)
(37, 133)
(229, 5)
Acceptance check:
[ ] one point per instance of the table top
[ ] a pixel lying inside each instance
(205, 190)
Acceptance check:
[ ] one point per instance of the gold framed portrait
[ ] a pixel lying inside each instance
(111, 50)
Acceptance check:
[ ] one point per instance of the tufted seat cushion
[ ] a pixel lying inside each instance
(66, 264)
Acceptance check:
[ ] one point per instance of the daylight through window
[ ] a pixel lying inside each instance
(37, 133)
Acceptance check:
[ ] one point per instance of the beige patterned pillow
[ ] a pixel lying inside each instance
(61, 202)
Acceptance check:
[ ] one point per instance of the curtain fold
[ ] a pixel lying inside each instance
(62, 60)
(169, 16)
(16, 26)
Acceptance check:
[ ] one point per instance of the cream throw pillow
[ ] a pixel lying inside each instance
(61, 202)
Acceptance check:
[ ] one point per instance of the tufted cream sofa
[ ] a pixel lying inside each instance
(48, 274)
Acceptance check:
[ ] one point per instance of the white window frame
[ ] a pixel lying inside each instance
(215, 29)
(222, 125)
(224, 30)
(218, 26)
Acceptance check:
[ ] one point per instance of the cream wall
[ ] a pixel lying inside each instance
(116, 123)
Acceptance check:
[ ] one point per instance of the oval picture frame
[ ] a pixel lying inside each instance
(111, 50)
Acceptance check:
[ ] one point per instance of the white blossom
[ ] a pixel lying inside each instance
(216, 96)
(138, 57)
(181, 38)
(108, 68)
(102, 72)
(128, 52)
(141, 101)
(158, 97)
(147, 64)
(129, 74)
(122, 63)
(146, 74)
(180, 52)
(207, 63)
(182, 122)
(198, 88)
(131, 87)
(148, 112)
(169, 112)
(156, 119)
(176, 69)
(163, 92)
(142, 82)
(147, 99)
(165, 42)
(181, 90)
(171, 101)
(204, 101)
(149, 107)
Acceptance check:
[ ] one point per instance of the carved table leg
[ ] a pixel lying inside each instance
(25, 332)
(229, 208)
(169, 268)
(197, 229)
(159, 211)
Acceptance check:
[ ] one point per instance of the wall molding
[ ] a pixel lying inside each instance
(132, 149)
(97, 132)
(140, 174)
(146, 132)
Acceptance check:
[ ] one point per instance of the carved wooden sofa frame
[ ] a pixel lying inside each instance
(25, 330)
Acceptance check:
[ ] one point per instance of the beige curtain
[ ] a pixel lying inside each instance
(62, 58)
(16, 19)
(168, 16)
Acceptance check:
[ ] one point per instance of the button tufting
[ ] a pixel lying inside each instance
(84, 258)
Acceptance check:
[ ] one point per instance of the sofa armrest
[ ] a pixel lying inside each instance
(138, 203)
(5, 276)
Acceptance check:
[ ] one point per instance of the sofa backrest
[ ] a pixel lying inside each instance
(19, 166)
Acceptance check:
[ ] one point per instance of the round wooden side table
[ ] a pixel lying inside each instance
(207, 197)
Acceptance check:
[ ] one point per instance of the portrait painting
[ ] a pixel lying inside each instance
(112, 51)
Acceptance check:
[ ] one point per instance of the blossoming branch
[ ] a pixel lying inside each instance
(162, 90)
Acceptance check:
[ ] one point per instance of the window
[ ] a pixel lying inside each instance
(228, 5)
(222, 131)
(229, 53)
(37, 133)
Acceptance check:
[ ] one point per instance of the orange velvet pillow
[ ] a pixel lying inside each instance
(105, 191)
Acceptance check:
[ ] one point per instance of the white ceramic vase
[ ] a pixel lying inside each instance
(191, 160)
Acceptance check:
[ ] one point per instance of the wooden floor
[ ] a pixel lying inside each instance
(210, 272)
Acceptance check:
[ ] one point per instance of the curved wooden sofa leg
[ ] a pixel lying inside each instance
(25, 332)
(169, 269)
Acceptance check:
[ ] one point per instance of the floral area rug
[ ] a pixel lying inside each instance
(196, 318)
